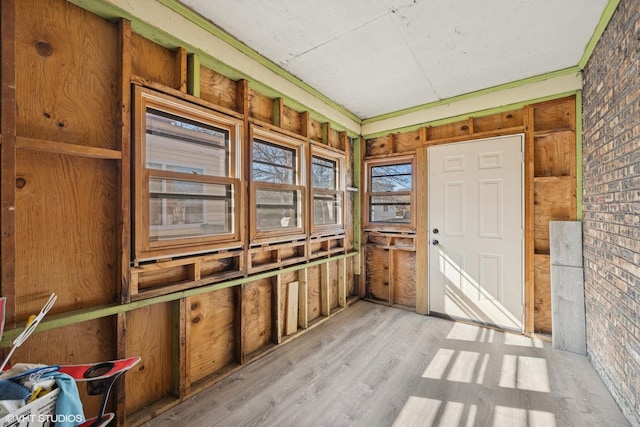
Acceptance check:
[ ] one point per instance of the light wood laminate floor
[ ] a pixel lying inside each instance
(372, 365)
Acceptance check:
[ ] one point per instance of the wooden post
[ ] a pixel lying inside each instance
(529, 272)
(276, 313)
(193, 75)
(422, 232)
(124, 144)
(181, 69)
(303, 291)
(8, 157)
(342, 282)
(239, 326)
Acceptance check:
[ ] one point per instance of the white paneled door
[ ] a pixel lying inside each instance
(476, 231)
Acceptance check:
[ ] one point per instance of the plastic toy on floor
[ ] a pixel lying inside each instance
(99, 377)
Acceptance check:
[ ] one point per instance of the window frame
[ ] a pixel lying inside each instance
(299, 147)
(144, 247)
(339, 191)
(389, 226)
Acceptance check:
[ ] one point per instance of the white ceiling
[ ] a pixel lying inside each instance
(379, 56)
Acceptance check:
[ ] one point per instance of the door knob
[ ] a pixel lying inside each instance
(435, 231)
(435, 242)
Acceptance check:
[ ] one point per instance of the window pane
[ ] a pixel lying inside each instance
(179, 209)
(278, 209)
(178, 144)
(391, 178)
(273, 163)
(390, 209)
(326, 209)
(323, 173)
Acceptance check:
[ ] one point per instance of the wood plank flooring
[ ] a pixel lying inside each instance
(372, 365)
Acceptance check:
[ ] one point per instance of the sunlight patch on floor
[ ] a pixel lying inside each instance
(524, 373)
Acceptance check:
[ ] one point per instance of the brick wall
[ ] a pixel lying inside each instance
(611, 182)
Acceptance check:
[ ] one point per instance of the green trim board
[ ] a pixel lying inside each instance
(471, 95)
(478, 113)
(91, 313)
(606, 16)
(579, 199)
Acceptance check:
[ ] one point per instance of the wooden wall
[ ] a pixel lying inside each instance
(67, 174)
(392, 259)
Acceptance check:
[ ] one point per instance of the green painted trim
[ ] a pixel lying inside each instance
(606, 16)
(478, 113)
(357, 197)
(91, 313)
(470, 95)
(579, 199)
(206, 25)
(193, 75)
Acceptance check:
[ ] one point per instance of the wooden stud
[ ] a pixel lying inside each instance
(179, 348)
(342, 282)
(303, 292)
(193, 74)
(8, 156)
(181, 69)
(326, 131)
(529, 273)
(304, 124)
(240, 343)
(422, 232)
(121, 353)
(278, 110)
(276, 312)
(124, 143)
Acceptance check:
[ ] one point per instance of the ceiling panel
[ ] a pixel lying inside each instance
(379, 56)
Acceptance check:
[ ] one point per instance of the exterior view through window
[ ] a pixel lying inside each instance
(390, 193)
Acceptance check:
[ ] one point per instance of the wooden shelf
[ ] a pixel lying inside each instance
(66, 148)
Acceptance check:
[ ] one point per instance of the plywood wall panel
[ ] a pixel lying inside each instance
(210, 332)
(66, 87)
(542, 311)
(407, 141)
(498, 121)
(291, 120)
(379, 146)
(553, 201)
(153, 62)
(404, 278)
(315, 130)
(150, 336)
(554, 115)
(377, 265)
(260, 106)
(256, 314)
(554, 154)
(66, 210)
(314, 294)
(218, 89)
(449, 130)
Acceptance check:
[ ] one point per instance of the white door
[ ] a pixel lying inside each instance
(476, 231)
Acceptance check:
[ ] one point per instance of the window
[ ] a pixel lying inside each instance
(390, 194)
(278, 198)
(327, 194)
(186, 176)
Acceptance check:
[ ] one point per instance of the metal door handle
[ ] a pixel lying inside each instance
(435, 242)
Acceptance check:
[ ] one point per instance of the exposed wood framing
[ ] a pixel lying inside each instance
(8, 180)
